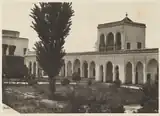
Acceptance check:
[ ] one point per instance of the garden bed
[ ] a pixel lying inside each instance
(109, 93)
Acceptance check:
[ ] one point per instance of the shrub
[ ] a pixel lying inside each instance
(65, 81)
(89, 82)
(76, 77)
(117, 82)
(149, 100)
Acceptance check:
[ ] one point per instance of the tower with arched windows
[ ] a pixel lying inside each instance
(121, 35)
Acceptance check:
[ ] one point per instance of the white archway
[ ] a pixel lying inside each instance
(152, 69)
(109, 72)
(76, 66)
(92, 69)
(139, 73)
(69, 68)
(85, 69)
(128, 78)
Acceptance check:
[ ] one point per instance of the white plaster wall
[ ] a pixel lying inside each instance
(20, 43)
(134, 34)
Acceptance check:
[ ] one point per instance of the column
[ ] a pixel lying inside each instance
(144, 73)
(66, 70)
(32, 65)
(113, 73)
(122, 40)
(81, 68)
(133, 73)
(97, 77)
(114, 36)
(36, 69)
(89, 73)
(104, 72)
(122, 71)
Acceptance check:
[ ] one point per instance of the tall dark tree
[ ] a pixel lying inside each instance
(52, 23)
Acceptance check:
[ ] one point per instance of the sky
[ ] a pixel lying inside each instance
(83, 34)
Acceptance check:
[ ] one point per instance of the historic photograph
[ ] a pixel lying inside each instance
(80, 57)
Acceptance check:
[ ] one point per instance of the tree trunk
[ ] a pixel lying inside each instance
(52, 82)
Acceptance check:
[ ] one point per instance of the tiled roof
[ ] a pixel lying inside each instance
(126, 20)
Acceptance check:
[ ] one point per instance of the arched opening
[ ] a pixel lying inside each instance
(109, 72)
(102, 43)
(118, 41)
(76, 67)
(30, 67)
(69, 68)
(152, 69)
(34, 68)
(110, 41)
(85, 69)
(139, 73)
(63, 70)
(92, 70)
(101, 73)
(128, 79)
(117, 73)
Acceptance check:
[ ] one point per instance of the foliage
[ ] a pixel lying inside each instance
(52, 23)
(89, 82)
(149, 101)
(117, 82)
(31, 80)
(10, 70)
(76, 77)
(65, 81)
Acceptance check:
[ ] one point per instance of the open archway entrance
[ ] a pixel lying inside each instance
(69, 68)
(85, 69)
(128, 79)
(139, 73)
(102, 43)
(109, 72)
(116, 73)
(92, 70)
(76, 67)
(101, 73)
(152, 70)
(34, 68)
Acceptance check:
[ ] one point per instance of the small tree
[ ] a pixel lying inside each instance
(76, 77)
(52, 23)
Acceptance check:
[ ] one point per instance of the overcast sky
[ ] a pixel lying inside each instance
(83, 34)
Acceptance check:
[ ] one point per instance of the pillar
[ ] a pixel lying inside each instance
(36, 69)
(122, 73)
(89, 72)
(144, 73)
(66, 70)
(97, 77)
(113, 73)
(104, 71)
(133, 73)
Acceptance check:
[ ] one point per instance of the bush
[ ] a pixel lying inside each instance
(76, 77)
(117, 82)
(65, 81)
(149, 100)
(89, 83)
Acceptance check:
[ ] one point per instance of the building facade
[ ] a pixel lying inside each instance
(120, 53)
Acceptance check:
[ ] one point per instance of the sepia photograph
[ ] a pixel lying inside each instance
(80, 57)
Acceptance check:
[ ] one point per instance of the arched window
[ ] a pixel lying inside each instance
(12, 49)
(139, 45)
(128, 46)
(102, 43)
(118, 41)
(110, 41)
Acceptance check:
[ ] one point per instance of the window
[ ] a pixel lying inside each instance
(24, 50)
(12, 49)
(4, 46)
(128, 46)
(139, 45)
